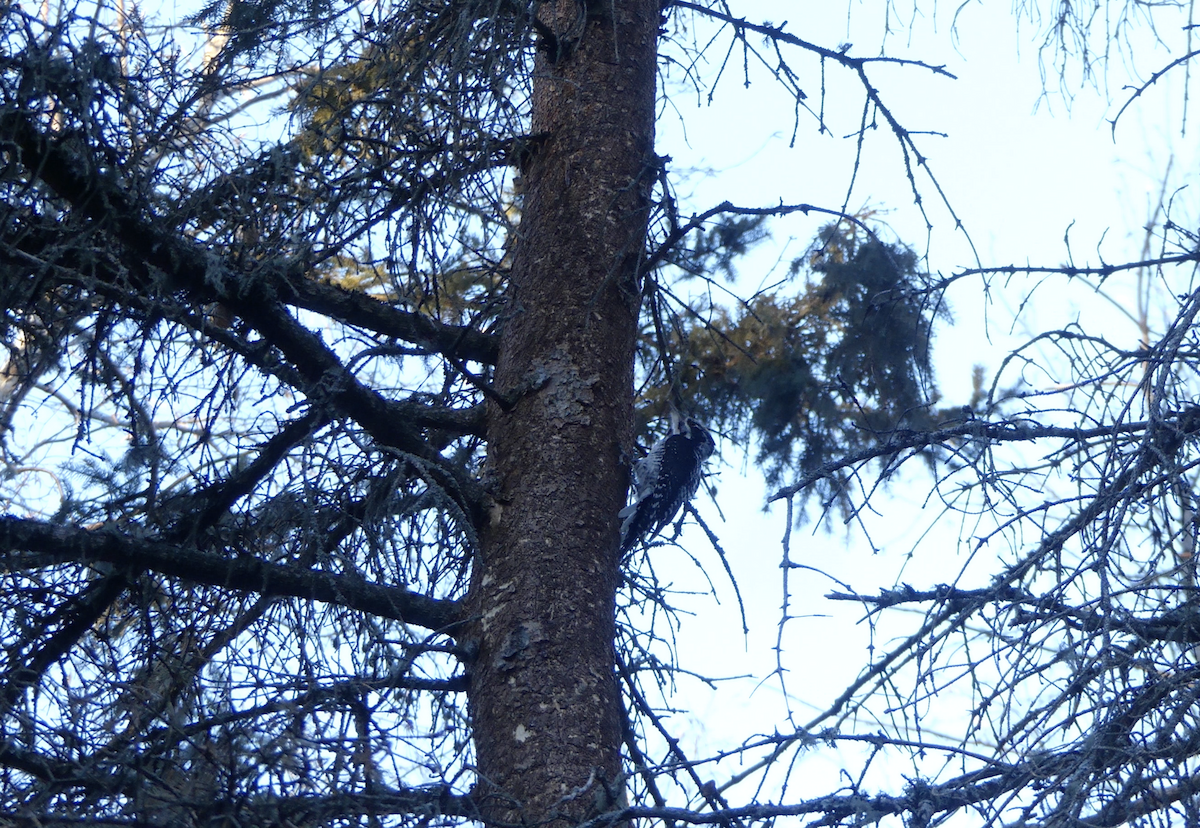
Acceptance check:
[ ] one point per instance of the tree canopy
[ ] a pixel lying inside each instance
(331, 335)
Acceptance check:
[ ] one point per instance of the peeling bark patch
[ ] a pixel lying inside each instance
(505, 591)
(516, 645)
(572, 396)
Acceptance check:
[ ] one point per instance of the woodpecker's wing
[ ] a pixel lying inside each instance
(646, 471)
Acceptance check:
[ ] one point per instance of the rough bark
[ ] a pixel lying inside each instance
(545, 703)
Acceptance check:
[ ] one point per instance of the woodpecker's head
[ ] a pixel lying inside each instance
(700, 436)
(695, 433)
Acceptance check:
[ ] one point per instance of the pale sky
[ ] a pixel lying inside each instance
(1020, 164)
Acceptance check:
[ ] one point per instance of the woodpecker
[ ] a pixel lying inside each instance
(664, 480)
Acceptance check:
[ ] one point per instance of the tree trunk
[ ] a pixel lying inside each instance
(545, 702)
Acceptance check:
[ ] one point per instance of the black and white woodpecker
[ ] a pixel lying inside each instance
(665, 479)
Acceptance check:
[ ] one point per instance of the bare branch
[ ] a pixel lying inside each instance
(242, 574)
